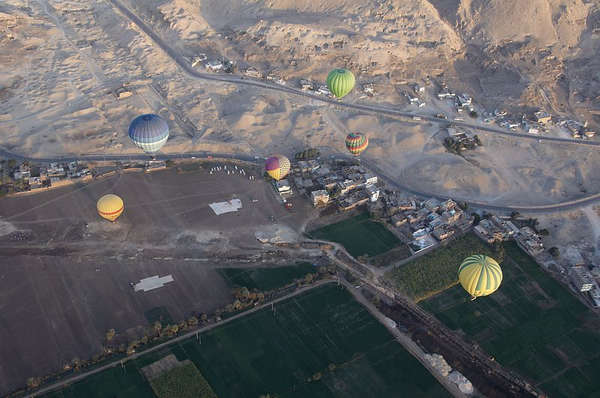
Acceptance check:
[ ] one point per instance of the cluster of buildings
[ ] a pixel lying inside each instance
(307, 85)
(216, 65)
(539, 122)
(346, 186)
(415, 97)
(536, 123)
(495, 229)
(227, 66)
(427, 222)
(462, 102)
(29, 177)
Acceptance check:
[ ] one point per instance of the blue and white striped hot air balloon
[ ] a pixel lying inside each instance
(149, 132)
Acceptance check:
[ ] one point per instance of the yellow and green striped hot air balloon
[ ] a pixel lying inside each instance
(479, 275)
(340, 82)
(356, 143)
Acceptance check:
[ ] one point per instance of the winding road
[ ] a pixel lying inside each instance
(239, 80)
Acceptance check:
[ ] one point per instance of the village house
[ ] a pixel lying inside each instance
(319, 198)
(543, 117)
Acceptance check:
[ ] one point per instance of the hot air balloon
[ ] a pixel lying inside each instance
(340, 82)
(479, 275)
(277, 166)
(149, 132)
(356, 143)
(110, 206)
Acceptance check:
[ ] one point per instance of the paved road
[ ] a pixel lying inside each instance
(547, 208)
(187, 68)
(185, 336)
(5, 153)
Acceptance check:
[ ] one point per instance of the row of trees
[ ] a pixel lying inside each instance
(307, 154)
(157, 332)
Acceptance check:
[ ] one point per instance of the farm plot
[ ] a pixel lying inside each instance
(359, 235)
(531, 324)
(318, 344)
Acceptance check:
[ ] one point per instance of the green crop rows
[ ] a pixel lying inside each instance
(531, 324)
(319, 344)
(359, 235)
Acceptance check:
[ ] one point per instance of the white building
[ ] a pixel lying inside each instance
(283, 186)
(324, 90)
(373, 192)
(370, 179)
(214, 65)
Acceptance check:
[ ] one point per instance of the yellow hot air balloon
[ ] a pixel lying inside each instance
(479, 275)
(110, 206)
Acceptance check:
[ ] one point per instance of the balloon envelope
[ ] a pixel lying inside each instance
(340, 82)
(480, 275)
(110, 206)
(149, 132)
(277, 166)
(356, 143)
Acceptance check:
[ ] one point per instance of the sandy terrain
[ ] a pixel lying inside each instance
(62, 62)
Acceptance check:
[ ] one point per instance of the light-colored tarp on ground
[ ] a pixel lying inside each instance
(153, 282)
(226, 207)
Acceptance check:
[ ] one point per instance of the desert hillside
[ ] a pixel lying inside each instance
(64, 61)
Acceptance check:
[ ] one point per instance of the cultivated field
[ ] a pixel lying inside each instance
(265, 278)
(182, 382)
(319, 344)
(437, 270)
(531, 324)
(359, 235)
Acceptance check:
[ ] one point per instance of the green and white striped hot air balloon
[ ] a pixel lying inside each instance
(480, 275)
(340, 82)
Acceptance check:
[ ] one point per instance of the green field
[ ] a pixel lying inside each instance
(359, 235)
(319, 344)
(531, 324)
(264, 279)
(437, 270)
(113, 383)
(182, 382)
